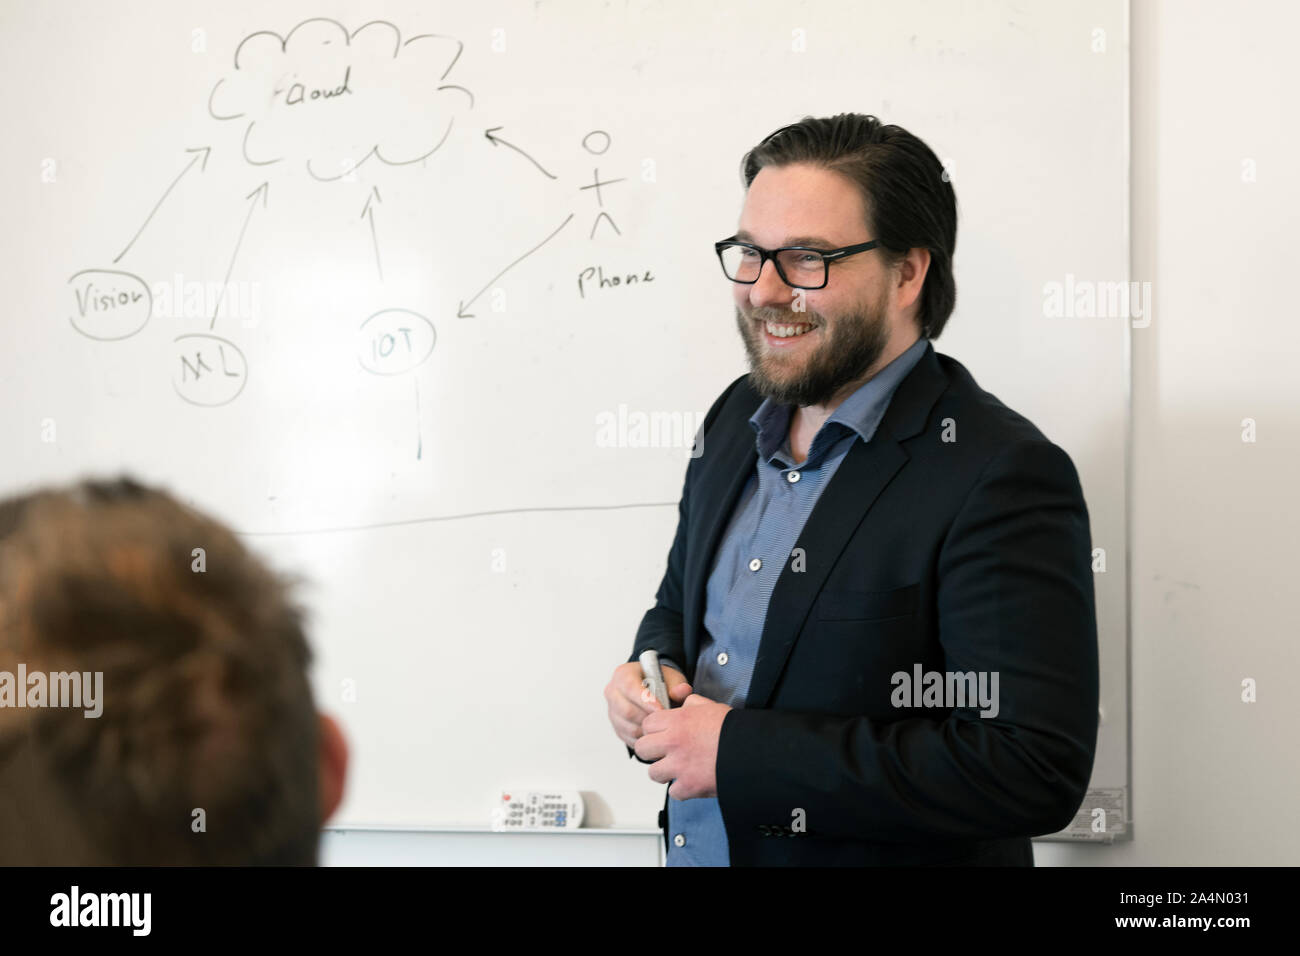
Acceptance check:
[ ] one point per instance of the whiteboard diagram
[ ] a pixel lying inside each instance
(326, 101)
(426, 309)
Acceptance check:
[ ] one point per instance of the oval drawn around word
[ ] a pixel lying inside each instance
(207, 369)
(394, 341)
(108, 305)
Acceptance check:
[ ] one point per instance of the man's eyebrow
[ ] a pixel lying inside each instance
(745, 236)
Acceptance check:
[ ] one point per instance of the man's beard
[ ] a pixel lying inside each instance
(850, 345)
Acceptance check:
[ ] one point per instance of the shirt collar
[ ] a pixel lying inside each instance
(860, 413)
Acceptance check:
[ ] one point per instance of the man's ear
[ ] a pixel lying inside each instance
(333, 767)
(910, 276)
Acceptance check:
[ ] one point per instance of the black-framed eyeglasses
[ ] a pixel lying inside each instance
(800, 267)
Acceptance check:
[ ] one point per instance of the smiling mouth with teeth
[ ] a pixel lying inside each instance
(785, 330)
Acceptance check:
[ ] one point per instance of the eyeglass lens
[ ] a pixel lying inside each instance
(798, 266)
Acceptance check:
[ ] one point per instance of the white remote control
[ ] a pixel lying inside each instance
(538, 810)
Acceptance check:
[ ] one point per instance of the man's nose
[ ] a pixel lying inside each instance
(769, 290)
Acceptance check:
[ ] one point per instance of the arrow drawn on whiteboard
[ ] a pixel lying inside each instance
(370, 214)
(261, 190)
(204, 150)
(460, 310)
(419, 430)
(497, 139)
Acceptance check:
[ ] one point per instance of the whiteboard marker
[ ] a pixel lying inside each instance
(654, 678)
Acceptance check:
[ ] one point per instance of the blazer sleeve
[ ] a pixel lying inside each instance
(661, 626)
(1015, 597)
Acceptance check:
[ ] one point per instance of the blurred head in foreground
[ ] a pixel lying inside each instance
(154, 702)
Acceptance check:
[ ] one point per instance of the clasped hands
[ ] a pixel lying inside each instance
(682, 742)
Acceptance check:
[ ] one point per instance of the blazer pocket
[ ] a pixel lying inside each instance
(867, 605)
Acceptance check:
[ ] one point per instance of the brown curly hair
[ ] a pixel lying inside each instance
(206, 701)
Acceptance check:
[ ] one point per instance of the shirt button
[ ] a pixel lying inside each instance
(755, 564)
(722, 658)
(792, 477)
(679, 840)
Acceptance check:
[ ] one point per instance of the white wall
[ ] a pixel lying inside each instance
(1213, 519)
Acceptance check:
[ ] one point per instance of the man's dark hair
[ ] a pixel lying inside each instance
(909, 201)
(206, 703)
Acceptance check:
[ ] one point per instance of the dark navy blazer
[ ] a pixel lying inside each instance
(957, 539)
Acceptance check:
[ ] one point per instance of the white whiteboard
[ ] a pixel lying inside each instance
(479, 558)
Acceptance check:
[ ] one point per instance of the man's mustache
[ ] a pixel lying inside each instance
(783, 317)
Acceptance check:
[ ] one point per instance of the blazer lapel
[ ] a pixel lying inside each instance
(714, 501)
(842, 507)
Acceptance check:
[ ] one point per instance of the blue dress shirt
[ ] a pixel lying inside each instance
(759, 539)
